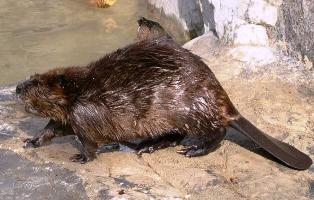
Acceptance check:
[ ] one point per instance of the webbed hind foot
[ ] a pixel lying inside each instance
(194, 150)
(152, 145)
(81, 158)
(201, 145)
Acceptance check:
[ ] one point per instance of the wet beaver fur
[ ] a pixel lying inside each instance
(148, 29)
(149, 89)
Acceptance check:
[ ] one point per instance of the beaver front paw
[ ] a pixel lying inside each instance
(32, 142)
(81, 158)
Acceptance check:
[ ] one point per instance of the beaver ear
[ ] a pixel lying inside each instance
(62, 80)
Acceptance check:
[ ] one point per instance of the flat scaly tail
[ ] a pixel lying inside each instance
(282, 151)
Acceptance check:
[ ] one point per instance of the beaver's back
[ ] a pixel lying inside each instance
(147, 89)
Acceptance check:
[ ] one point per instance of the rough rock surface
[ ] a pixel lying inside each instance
(182, 19)
(241, 23)
(23, 179)
(250, 34)
(278, 98)
(296, 26)
(253, 54)
(219, 16)
(262, 12)
(290, 21)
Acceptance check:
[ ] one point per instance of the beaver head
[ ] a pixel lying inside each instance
(148, 29)
(51, 94)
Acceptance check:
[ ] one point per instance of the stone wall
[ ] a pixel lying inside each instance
(242, 23)
(181, 18)
(230, 20)
(295, 26)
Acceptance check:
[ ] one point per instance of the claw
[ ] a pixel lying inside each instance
(193, 151)
(155, 147)
(31, 143)
(80, 158)
(150, 149)
(186, 149)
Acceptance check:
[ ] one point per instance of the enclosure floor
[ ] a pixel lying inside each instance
(278, 98)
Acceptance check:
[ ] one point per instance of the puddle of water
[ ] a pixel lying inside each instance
(37, 35)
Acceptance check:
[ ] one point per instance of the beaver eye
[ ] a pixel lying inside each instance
(61, 80)
(35, 82)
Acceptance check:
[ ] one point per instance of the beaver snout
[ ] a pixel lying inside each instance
(22, 87)
(18, 89)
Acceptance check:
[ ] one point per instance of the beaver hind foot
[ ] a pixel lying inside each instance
(202, 145)
(162, 142)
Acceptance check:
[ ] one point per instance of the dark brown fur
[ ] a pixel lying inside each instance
(148, 29)
(146, 90)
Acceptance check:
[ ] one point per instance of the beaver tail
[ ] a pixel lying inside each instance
(282, 151)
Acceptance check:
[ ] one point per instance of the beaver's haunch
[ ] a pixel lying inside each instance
(146, 90)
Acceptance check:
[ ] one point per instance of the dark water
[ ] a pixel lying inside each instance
(37, 35)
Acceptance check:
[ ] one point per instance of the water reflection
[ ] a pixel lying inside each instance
(36, 35)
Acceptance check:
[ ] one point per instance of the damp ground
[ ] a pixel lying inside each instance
(278, 98)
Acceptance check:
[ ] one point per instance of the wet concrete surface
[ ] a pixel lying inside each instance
(23, 179)
(272, 97)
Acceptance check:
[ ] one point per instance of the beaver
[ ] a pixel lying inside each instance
(147, 90)
(149, 29)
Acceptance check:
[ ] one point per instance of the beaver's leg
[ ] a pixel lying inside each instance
(202, 145)
(154, 144)
(51, 130)
(87, 150)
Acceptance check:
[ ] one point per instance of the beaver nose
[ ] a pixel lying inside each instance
(18, 89)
